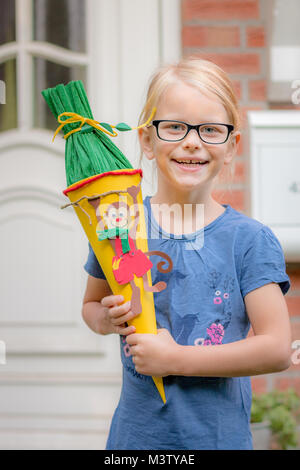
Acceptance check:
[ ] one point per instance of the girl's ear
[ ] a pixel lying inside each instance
(146, 143)
(232, 146)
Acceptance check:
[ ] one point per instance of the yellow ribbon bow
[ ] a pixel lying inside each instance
(71, 118)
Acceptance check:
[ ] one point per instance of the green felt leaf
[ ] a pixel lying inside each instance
(107, 127)
(86, 128)
(122, 126)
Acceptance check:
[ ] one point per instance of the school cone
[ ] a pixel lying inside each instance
(118, 180)
(88, 150)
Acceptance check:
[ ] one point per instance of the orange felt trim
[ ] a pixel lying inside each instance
(96, 177)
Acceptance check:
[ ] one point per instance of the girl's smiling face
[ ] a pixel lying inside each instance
(182, 102)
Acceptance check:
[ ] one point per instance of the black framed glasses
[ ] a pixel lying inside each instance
(209, 132)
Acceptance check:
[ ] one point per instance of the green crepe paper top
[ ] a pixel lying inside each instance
(88, 152)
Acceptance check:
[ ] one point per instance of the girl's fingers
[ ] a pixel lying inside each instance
(119, 313)
(133, 350)
(125, 330)
(116, 312)
(133, 339)
(112, 300)
(123, 319)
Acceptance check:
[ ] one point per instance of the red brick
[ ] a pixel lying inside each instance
(294, 277)
(293, 304)
(257, 90)
(284, 106)
(211, 36)
(256, 36)
(220, 9)
(239, 174)
(237, 87)
(259, 384)
(235, 198)
(283, 383)
(296, 330)
(235, 63)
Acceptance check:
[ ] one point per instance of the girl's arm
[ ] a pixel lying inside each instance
(103, 312)
(268, 350)
(93, 313)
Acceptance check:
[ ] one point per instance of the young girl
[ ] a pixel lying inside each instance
(216, 290)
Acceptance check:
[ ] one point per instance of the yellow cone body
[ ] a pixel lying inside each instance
(117, 180)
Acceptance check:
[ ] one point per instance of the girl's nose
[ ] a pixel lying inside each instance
(192, 140)
(118, 219)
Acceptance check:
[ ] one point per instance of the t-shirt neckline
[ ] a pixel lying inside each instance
(208, 228)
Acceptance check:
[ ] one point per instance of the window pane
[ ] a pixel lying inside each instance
(285, 31)
(47, 75)
(60, 22)
(8, 106)
(284, 49)
(7, 21)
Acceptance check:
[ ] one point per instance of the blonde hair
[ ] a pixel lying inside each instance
(202, 74)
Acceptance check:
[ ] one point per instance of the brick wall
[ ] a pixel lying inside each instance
(233, 33)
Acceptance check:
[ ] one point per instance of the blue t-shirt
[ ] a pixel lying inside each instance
(203, 304)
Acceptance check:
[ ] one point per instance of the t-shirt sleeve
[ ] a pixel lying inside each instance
(92, 265)
(263, 263)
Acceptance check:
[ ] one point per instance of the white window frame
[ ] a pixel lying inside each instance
(24, 50)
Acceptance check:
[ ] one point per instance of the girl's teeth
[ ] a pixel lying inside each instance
(190, 162)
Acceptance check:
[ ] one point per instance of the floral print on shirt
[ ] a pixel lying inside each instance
(220, 291)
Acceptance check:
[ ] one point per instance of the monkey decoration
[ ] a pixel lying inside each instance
(128, 261)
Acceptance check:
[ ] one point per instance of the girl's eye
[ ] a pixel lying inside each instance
(113, 214)
(121, 214)
(172, 127)
(176, 127)
(209, 130)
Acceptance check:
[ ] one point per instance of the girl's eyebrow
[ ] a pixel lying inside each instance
(207, 120)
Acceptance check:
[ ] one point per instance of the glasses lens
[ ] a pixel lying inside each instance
(172, 130)
(214, 133)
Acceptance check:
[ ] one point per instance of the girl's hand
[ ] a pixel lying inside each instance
(152, 354)
(117, 314)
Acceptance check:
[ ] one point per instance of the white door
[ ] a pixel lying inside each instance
(60, 381)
